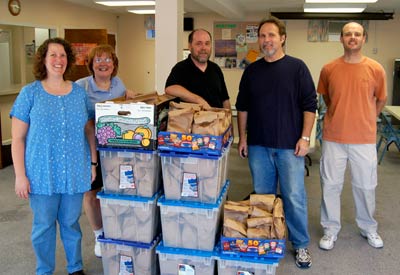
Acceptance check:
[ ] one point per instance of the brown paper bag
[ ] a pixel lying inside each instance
(180, 120)
(185, 105)
(256, 222)
(279, 219)
(224, 117)
(234, 225)
(262, 232)
(236, 212)
(263, 201)
(256, 212)
(206, 123)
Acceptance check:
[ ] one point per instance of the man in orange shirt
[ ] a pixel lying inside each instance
(354, 89)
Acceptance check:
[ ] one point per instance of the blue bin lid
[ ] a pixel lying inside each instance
(117, 149)
(102, 195)
(163, 201)
(248, 259)
(184, 251)
(130, 243)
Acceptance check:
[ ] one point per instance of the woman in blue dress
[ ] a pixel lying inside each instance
(53, 150)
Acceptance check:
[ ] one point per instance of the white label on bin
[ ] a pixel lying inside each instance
(189, 160)
(244, 273)
(185, 269)
(126, 265)
(126, 177)
(189, 185)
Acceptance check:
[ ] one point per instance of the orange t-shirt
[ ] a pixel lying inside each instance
(353, 90)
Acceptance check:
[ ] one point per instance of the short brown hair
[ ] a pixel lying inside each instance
(281, 26)
(190, 38)
(39, 67)
(98, 51)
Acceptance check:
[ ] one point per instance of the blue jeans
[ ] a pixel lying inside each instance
(269, 166)
(47, 211)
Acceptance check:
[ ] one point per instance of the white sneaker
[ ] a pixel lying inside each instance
(327, 242)
(374, 239)
(97, 248)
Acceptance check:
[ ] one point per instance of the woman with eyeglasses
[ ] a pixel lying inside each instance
(103, 84)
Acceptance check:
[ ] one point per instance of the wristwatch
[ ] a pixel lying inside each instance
(306, 138)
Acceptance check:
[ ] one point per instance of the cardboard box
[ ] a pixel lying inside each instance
(194, 143)
(132, 123)
(252, 247)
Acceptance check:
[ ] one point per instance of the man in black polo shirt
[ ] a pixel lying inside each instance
(197, 79)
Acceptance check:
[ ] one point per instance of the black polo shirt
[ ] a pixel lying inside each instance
(210, 84)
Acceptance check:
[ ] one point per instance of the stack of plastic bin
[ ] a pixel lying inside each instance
(195, 189)
(249, 255)
(190, 233)
(131, 221)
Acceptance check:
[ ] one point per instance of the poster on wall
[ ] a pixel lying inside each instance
(236, 44)
(82, 51)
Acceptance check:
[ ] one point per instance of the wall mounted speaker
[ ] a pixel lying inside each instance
(188, 24)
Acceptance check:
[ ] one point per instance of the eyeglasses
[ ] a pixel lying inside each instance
(105, 60)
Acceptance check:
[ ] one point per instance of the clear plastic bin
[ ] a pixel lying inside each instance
(191, 225)
(123, 258)
(130, 172)
(129, 218)
(185, 261)
(233, 265)
(190, 177)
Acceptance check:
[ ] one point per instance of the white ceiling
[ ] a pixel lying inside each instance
(236, 9)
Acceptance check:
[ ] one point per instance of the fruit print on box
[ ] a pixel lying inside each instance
(125, 125)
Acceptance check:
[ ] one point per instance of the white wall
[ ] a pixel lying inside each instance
(54, 14)
(136, 54)
(383, 35)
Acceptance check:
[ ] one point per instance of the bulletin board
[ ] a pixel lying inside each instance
(235, 44)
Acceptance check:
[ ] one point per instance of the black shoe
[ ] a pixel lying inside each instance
(303, 258)
(79, 272)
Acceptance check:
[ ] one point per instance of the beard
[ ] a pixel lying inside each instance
(200, 58)
(270, 52)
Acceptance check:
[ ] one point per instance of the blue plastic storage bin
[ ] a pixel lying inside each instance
(236, 265)
(191, 225)
(129, 218)
(191, 177)
(175, 261)
(125, 258)
(130, 171)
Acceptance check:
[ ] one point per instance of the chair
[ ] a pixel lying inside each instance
(388, 134)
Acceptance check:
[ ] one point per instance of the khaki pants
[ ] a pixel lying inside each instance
(363, 165)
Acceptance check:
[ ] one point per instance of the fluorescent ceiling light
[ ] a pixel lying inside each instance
(126, 3)
(341, 1)
(148, 11)
(335, 8)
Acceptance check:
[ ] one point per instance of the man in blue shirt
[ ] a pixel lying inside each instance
(276, 110)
